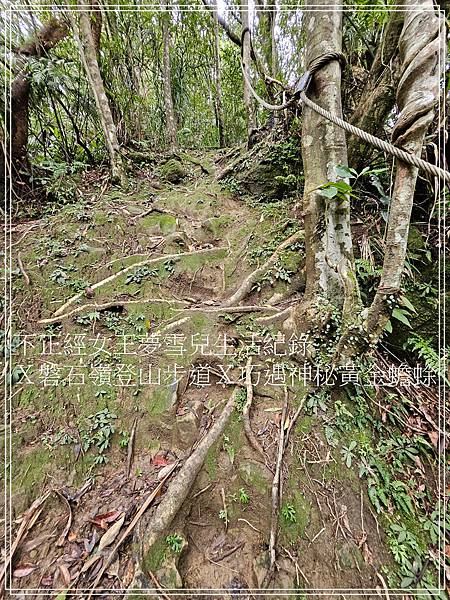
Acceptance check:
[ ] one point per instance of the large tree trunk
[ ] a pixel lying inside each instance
(167, 82)
(378, 95)
(421, 41)
(218, 81)
(89, 58)
(246, 56)
(46, 39)
(329, 252)
(96, 26)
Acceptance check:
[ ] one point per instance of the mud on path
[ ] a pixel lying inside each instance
(106, 443)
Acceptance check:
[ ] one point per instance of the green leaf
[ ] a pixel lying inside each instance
(407, 304)
(406, 582)
(400, 315)
(343, 171)
(388, 327)
(329, 192)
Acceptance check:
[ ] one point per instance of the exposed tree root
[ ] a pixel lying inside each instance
(107, 305)
(230, 309)
(246, 286)
(279, 316)
(150, 261)
(179, 489)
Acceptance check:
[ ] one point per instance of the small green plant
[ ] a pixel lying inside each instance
(347, 453)
(60, 276)
(289, 513)
(97, 432)
(244, 498)
(223, 516)
(124, 439)
(229, 449)
(87, 319)
(139, 274)
(240, 400)
(175, 542)
(424, 351)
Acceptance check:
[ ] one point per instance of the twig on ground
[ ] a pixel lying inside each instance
(250, 525)
(131, 446)
(225, 509)
(22, 269)
(383, 583)
(297, 567)
(202, 491)
(158, 585)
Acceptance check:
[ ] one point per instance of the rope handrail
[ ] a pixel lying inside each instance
(300, 96)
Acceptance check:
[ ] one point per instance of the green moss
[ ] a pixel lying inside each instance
(172, 171)
(159, 401)
(304, 425)
(211, 460)
(155, 556)
(293, 531)
(166, 223)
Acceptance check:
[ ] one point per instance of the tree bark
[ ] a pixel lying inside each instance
(329, 251)
(421, 45)
(246, 56)
(96, 26)
(218, 80)
(167, 82)
(89, 58)
(46, 39)
(378, 95)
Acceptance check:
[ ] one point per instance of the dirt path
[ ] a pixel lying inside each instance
(94, 374)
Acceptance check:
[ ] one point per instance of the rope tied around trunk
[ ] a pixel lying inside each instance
(299, 96)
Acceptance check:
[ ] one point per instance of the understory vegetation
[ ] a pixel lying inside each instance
(223, 340)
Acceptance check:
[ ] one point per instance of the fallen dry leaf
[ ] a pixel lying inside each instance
(104, 519)
(434, 437)
(160, 460)
(72, 536)
(88, 564)
(47, 580)
(110, 535)
(23, 571)
(64, 574)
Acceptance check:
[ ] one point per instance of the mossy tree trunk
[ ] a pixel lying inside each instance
(329, 252)
(88, 53)
(246, 57)
(421, 42)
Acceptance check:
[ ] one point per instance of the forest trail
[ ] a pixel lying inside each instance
(77, 423)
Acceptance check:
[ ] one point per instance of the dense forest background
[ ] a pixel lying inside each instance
(172, 207)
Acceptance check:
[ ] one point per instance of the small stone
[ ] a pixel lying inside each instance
(260, 567)
(254, 476)
(172, 171)
(188, 424)
(349, 556)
